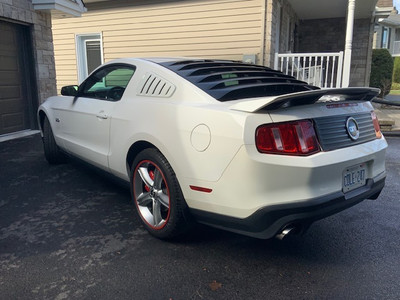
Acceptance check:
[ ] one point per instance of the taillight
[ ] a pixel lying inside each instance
(378, 132)
(290, 138)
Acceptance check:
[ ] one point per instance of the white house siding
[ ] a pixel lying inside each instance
(203, 28)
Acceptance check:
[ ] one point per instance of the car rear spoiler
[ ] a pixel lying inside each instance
(303, 98)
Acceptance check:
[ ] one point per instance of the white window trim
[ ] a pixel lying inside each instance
(81, 59)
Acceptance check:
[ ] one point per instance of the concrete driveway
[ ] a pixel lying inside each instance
(67, 232)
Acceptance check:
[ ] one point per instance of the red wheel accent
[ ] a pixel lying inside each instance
(151, 173)
(154, 206)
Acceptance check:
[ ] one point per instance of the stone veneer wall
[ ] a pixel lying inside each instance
(328, 35)
(22, 11)
(273, 9)
(362, 52)
(270, 29)
(322, 35)
(288, 22)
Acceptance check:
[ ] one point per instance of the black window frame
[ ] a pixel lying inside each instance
(81, 88)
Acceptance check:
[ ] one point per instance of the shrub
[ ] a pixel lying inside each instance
(396, 69)
(395, 86)
(381, 70)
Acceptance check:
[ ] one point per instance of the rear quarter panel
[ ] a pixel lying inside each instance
(169, 123)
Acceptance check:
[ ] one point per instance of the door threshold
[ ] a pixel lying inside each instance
(17, 135)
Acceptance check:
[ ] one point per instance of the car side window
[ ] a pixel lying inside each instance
(107, 83)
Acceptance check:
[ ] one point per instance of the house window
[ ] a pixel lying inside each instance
(89, 54)
(93, 55)
(386, 37)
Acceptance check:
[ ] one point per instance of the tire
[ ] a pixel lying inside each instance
(158, 197)
(52, 152)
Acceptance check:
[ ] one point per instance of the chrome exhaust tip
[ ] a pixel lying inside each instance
(285, 232)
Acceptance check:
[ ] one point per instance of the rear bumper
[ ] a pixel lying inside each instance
(269, 221)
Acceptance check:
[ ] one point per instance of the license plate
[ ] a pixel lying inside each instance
(354, 177)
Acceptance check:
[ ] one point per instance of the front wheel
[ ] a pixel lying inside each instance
(157, 196)
(52, 152)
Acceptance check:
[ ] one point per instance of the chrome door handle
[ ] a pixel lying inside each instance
(102, 115)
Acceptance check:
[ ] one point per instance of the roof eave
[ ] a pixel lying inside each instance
(61, 8)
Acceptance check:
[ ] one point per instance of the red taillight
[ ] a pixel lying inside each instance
(378, 132)
(291, 138)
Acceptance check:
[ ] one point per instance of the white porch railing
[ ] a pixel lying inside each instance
(319, 69)
(396, 48)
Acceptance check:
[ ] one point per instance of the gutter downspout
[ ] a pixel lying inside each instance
(263, 31)
(349, 43)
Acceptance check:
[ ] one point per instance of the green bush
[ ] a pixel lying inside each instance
(381, 70)
(396, 69)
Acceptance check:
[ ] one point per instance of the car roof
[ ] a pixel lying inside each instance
(227, 80)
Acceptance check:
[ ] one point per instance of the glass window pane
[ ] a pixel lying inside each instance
(93, 55)
(119, 77)
(108, 83)
(385, 37)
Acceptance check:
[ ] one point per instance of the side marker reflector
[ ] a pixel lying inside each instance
(200, 189)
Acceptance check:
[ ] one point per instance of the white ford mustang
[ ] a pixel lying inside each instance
(232, 145)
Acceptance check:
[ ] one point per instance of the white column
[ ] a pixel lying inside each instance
(349, 43)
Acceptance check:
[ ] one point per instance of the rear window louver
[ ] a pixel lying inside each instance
(155, 86)
(230, 80)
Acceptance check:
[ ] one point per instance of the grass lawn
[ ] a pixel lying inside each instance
(395, 89)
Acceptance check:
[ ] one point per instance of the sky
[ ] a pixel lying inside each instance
(397, 4)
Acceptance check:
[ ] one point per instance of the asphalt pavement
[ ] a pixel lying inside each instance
(393, 98)
(68, 232)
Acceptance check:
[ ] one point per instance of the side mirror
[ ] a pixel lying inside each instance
(69, 90)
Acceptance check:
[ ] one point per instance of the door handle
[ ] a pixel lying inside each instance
(102, 115)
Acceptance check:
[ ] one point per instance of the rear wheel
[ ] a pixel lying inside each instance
(52, 152)
(157, 196)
